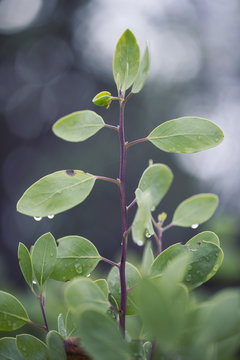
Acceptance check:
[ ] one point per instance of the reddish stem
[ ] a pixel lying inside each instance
(124, 220)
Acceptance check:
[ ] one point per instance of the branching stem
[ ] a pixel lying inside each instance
(42, 305)
(138, 141)
(115, 181)
(116, 128)
(131, 204)
(113, 263)
(124, 219)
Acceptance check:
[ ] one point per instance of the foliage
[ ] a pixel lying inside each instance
(146, 312)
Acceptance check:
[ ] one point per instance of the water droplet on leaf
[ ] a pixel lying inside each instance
(34, 282)
(195, 226)
(37, 218)
(51, 216)
(78, 268)
(88, 275)
(140, 243)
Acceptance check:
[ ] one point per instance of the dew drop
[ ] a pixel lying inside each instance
(37, 218)
(51, 216)
(195, 226)
(140, 243)
(88, 275)
(34, 282)
(78, 268)
(147, 234)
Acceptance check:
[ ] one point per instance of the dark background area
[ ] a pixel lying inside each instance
(56, 55)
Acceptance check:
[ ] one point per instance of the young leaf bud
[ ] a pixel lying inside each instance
(102, 99)
(162, 217)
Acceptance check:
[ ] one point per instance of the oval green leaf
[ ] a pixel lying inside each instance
(76, 256)
(25, 263)
(103, 285)
(156, 180)
(142, 73)
(31, 348)
(207, 236)
(78, 126)
(126, 60)
(56, 193)
(84, 292)
(195, 210)
(186, 135)
(61, 326)
(8, 349)
(12, 313)
(205, 259)
(101, 337)
(147, 258)
(44, 257)
(55, 344)
(133, 277)
(142, 224)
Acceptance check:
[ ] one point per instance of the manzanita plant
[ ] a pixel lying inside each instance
(146, 312)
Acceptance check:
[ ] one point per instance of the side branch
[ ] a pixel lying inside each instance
(131, 204)
(116, 128)
(138, 141)
(115, 181)
(113, 263)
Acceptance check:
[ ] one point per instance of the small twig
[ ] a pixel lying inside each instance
(42, 303)
(127, 232)
(115, 181)
(116, 128)
(131, 143)
(110, 262)
(131, 204)
(167, 227)
(37, 325)
(155, 223)
(127, 98)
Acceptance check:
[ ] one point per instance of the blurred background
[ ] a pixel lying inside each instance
(56, 55)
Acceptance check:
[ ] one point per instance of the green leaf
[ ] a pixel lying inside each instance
(147, 259)
(186, 135)
(205, 260)
(103, 285)
(56, 193)
(126, 60)
(132, 279)
(55, 346)
(61, 326)
(162, 310)
(71, 326)
(142, 73)
(44, 257)
(31, 348)
(156, 180)
(84, 292)
(78, 126)
(12, 313)
(76, 256)
(101, 337)
(25, 263)
(142, 224)
(8, 349)
(207, 236)
(220, 316)
(195, 210)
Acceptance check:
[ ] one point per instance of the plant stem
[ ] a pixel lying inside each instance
(167, 227)
(113, 263)
(37, 325)
(108, 179)
(111, 127)
(131, 204)
(128, 144)
(124, 220)
(42, 304)
(152, 350)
